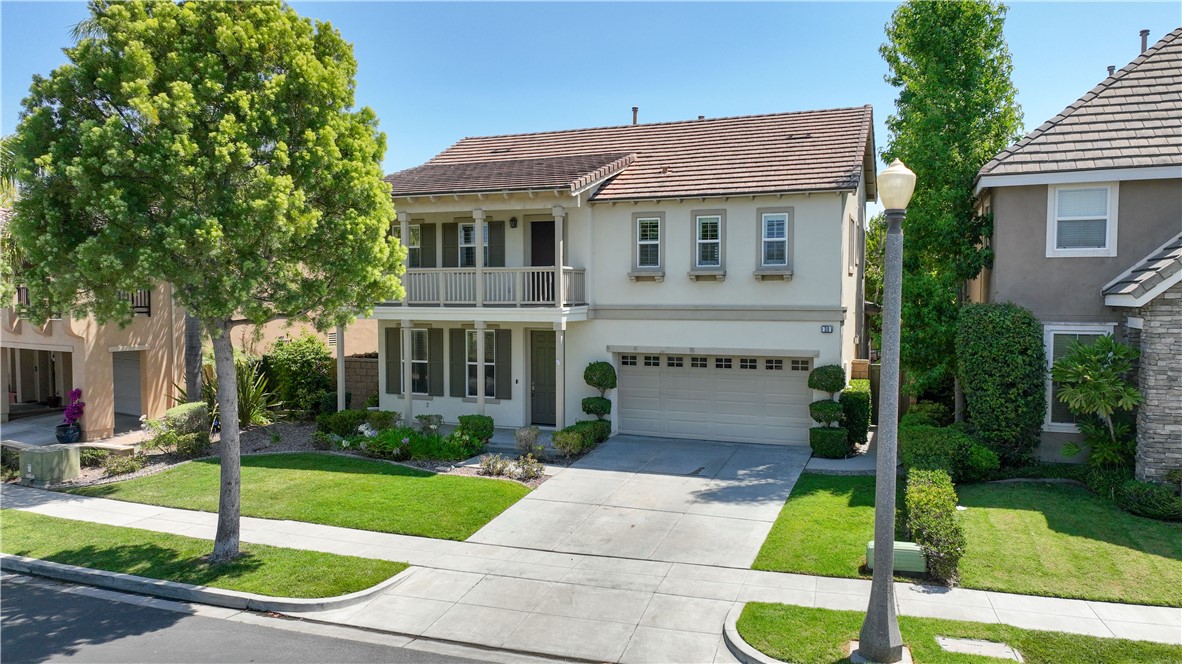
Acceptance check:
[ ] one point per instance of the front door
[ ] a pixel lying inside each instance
(542, 390)
(541, 243)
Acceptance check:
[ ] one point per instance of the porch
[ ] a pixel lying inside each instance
(495, 287)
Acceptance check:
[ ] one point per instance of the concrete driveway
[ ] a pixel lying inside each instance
(37, 430)
(700, 502)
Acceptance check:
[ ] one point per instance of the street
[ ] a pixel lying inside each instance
(42, 621)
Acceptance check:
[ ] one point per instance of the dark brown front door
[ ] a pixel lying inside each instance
(542, 390)
(541, 244)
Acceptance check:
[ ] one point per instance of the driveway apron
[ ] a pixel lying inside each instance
(682, 501)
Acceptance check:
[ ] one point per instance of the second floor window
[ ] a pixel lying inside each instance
(468, 245)
(1082, 221)
(709, 241)
(774, 251)
(414, 245)
(648, 242)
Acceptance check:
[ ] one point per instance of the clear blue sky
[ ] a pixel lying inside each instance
(437, 72)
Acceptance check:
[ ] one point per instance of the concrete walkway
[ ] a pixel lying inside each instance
(593, 607)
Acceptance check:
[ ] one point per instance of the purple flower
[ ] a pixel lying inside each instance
(75, 408)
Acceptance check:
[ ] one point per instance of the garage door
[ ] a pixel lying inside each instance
(739, 398)
(127, 382)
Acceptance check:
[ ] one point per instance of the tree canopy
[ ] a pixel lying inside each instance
(956, 109)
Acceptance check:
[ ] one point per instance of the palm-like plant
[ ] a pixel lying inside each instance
(1092, 382)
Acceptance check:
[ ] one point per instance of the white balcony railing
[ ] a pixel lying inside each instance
(497, 286)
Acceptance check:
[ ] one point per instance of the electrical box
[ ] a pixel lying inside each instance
(50, 464)
(908, 557)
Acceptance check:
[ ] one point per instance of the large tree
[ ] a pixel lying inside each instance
(956, 109)
(214, 146)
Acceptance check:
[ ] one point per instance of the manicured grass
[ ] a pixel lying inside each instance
(332, 490)
(1027, 538)
(823, 527)
(806, 635)
(1063, 541)
(265, 570)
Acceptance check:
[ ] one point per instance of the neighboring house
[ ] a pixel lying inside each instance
(360, 338)
(1087, 234)
(713, 262)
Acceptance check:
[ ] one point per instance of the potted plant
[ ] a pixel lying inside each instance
(69, 431)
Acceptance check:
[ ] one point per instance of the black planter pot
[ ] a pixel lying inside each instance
(68, 433)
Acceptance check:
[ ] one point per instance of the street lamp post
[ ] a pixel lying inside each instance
(880, 640)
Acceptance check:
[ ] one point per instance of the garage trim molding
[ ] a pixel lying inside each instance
(690, 350)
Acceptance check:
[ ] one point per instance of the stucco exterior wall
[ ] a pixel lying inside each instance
(360, 337)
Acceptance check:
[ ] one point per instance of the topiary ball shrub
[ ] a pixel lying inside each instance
(829, 442)
(479, 427)
(829, 378)
(597, 406)
(826, 412)
(1155, 501)
(601, 376)
(855, 405)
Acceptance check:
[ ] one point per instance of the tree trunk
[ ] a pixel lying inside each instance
(225, 545)
(192, 357)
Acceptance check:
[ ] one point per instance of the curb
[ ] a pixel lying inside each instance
(186, 592)
(742, 650)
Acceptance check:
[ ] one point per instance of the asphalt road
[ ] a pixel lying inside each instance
(41, 623)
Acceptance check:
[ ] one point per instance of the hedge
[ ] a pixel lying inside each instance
(829, 442)
(188, 418)
(855, 405)
(931, 519)
(343, 423)
(480, 427)
(581, 436)
(1155, 501)
(1001, 365)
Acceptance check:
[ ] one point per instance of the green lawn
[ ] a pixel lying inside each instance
(806, 635)
(1027, 538)
(266, 570)
(333, 490)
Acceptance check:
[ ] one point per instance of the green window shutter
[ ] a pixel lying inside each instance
(496, 244)
(435, 362)
(393, 361)
(459, 368)
(504, 365)
(451, 245)
(427, 244)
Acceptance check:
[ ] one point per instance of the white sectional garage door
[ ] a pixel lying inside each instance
(738, 398)
(126, 377)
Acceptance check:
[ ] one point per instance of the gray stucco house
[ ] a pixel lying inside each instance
(1087, 234)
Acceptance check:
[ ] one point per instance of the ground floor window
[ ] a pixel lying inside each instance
(1058, 341)
(420, 375)
(490, 363)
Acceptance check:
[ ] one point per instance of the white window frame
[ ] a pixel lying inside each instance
(764, 239)
(414, 244)
(1049, 330)
(852, 263)
(425, 362)
(1053, 250)
(716, 219)
(470, 245)
(640, 221)
(490, 349)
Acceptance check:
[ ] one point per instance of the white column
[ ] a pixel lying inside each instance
(407, 393)
(340, 367)
(404, 234)
(559, 288)
(478, 217)
(560, 374)
(4, 369)
(479, 366)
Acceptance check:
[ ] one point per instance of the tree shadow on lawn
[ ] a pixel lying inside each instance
(152, 561)
(1070, 509)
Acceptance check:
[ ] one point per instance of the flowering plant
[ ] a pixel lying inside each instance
(75, 408)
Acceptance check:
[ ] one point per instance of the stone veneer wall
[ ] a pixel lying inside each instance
(361, 379)
(1159, 419)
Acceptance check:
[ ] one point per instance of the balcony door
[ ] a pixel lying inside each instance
(541, 243)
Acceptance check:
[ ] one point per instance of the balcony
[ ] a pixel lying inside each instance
(494, 287)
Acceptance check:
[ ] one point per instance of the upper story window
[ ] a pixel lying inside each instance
(414, 245)
(1081, 220)
(709, 241)
(775, 240)
(468, 244)
(648, 243)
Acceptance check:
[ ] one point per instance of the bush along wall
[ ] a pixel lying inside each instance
(830, 440)
(933, 523)
(855, 408)
(1002, 368)
(946, 448)
(601, 376)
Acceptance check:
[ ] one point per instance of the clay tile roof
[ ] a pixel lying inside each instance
(1150, 271)
(1131, 119)
(780, 153)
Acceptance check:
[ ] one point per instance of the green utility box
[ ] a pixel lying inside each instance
(908, 557)
(50, 464)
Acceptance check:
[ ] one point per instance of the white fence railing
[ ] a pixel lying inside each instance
(497, 286)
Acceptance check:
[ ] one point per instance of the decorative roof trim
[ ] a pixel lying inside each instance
(588, 180)
(1073, 177)
(1141, 295)
(1145, 298)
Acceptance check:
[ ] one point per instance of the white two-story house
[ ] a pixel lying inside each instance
(714, 262)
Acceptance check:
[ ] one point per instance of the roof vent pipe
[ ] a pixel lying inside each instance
(1111, 69)
(701, 117)
(1144, 40)
(635, 110)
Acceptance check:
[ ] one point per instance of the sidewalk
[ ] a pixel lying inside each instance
(594, 607)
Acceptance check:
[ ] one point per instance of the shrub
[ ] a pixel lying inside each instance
(526, 439)
(829, 378)
(393, 443)
(931, 519)
(571, 441)
(381, 420)
(597, 406)
(429, 423)
(855, 405)
(460, 444)
(826, 412)
(255, 399)
(493, 465)
(938, 413)
(301, 370)
(479, 427)
(981, 465)
(1156, 501)
(326, 402)
(1106, 482)
(188, 417)
(527, 468)
(1001, 365)
(1093, 382)
(911, 419)
(117, 464)
(372, 400)
(193, 444)
(90, 457)
(343, 423)
(829, 442)
(601, 376)
(325, 441)
(598, 430)
(949, 449)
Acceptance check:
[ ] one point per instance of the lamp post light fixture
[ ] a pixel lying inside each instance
(880, 640)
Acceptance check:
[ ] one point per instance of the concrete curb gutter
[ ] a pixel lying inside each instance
(186, 592)
(742, 650)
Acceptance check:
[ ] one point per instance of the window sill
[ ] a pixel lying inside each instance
(487, 400)
(416, 397)
(1059, 427)
(1081, 253)
(773, 274)
(647, 275)
(707, 275)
